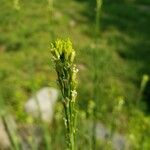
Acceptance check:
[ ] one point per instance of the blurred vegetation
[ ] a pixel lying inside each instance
(123, 57)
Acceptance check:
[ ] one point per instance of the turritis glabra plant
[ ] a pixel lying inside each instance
(63, 56)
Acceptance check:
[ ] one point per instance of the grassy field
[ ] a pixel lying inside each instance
(123, 57)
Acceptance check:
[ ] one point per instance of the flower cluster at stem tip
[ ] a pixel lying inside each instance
(62, 49)
(63, 56)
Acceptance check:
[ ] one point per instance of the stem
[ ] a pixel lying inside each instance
(95, 97)
(69, 113)
(70, 116)
(95, 67)
(11, 134)
(98, 14)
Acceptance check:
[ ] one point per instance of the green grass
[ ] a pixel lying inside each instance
(123, 54)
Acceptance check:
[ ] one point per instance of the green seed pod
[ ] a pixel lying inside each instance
(72, 56)
(57, 56)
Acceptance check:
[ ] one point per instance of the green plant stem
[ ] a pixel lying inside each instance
(13, 137)
(69, 119)
(98, 15)
(95, 98)
(95, 67)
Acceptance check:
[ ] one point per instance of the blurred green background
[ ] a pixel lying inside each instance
(123, 57)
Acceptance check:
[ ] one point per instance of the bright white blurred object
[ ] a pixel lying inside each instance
(42, 104)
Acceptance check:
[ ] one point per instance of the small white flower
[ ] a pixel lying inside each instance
(73, 93)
